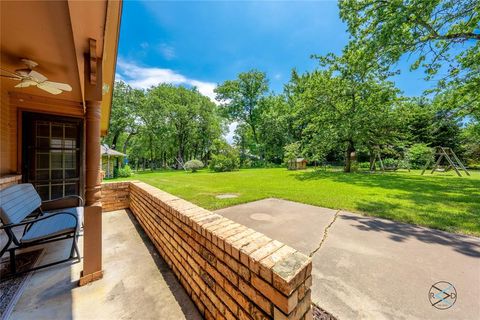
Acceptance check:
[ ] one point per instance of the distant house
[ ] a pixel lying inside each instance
(297, 164)
(110, 160)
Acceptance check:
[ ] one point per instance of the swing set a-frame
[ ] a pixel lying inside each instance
(382, 166)
(452, 162)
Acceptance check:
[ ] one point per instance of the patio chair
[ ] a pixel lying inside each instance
(54, 220)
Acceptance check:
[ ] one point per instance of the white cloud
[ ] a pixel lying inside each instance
(168, 52)
(145, 77)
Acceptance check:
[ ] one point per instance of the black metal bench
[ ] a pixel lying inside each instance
(54, 220)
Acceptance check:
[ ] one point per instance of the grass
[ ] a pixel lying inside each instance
(442, 201)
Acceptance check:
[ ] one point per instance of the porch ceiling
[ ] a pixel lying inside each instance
(56, 35)
(40, 31)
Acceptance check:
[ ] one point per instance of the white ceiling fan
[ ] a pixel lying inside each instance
(29, 77)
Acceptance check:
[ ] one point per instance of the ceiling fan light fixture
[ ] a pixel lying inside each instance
(29, 77)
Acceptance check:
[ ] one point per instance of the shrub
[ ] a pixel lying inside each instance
(224, 157)
(291, 152)
(354, 166)
(222, 162)
(124, 172)
(418, 155)
(390, 163)
(403, 164)
(247, 163)
(194, 165)
(363, 165)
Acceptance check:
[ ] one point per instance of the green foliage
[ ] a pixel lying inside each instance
(404, 164)
(363, 166)
(261, 119)
(273, 129)
(193, 165)
(224, 157)
(241, 98)
(347, 103)
(126, 171)
(292, 151)
(470, 138)
(418, 155)
(390, 163)
(162, 126)
(439, 32)
(222, 162)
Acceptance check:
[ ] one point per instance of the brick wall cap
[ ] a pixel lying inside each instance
(287, 271)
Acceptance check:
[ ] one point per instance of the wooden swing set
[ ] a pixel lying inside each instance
(382, 166)
(452, 160)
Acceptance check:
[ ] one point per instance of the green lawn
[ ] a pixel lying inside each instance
(441, 201)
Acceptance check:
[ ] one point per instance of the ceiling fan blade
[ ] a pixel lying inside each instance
(11, 77)
(59, 85)
(30, 63)
(37, 76)
(49, 89)
(26, 83)
(10, 74)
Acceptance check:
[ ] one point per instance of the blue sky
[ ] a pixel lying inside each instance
(205, 43)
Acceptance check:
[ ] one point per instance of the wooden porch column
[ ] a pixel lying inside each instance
(92, 232)
(93, 179)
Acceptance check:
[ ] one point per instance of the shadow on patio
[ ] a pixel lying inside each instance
(401, 232)
(137, 283)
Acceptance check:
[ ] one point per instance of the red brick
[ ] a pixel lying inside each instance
(282, 302)
(255, 297)
(290, 272)
(267, 263)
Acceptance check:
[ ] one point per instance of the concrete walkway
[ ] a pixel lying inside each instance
(137, 283)
(370, 268)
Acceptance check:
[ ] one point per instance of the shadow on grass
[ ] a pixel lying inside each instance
(421, 189)
(442, 202)
(401, 232)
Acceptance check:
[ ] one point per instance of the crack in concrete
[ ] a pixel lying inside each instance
(325, 233)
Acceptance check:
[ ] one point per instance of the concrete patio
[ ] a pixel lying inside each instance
(370, 268)
(137, 283)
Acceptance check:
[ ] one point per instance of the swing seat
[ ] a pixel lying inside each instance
(391, 168)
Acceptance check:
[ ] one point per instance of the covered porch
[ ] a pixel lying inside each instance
(57, 75)
(137, 282)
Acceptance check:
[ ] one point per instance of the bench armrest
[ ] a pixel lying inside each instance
(62, 203)
(44, 217)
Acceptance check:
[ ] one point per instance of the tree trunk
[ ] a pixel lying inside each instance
(372, 159)
(114, 140)
(151, 153)
(125, 144)
(179, 158)
(350, 157)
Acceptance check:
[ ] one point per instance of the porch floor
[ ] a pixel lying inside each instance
(137, 283)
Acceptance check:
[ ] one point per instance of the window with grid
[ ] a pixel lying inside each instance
(53, 158)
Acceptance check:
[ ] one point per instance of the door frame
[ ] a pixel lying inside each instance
(23, 145)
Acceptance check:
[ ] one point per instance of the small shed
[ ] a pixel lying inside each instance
(297, 164)
(110, 160)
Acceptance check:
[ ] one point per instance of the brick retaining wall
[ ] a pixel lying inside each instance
(229, 270)
(115, 196)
